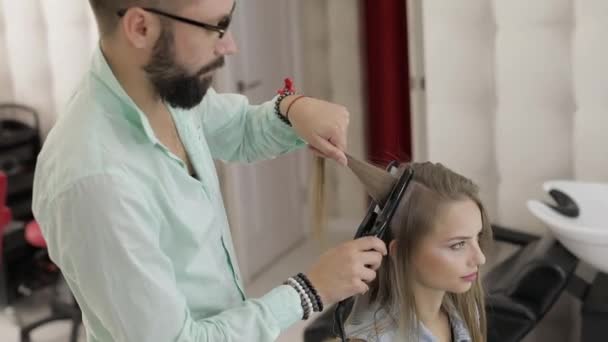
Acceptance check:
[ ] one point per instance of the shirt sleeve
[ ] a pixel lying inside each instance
(238, 131)
(105, 238)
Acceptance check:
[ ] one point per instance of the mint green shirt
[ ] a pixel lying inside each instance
(145, 247)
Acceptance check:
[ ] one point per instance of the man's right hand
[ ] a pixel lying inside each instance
(345, 270)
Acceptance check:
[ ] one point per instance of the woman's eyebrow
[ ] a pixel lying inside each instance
(464, 237)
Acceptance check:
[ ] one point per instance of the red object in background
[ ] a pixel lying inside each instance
(387, 81)
(33, 235)
(5, 212)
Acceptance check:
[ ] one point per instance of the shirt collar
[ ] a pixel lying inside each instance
(460, 331)
(103, 72)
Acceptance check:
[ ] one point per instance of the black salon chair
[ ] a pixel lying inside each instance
(520, 290)
(524, 287)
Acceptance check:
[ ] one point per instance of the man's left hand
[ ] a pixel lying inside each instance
(323, 125)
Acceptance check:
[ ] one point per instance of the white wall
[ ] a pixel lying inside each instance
(28, 61)
(6, 79)
(590, 66)
(71, 37)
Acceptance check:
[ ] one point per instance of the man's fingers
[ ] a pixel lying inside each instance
(316, 151)
(371, 243)
(372, 259)
(331, 151)
(367, 275)
(339, 138)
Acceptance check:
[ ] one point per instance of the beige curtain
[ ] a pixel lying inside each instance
(45, 47)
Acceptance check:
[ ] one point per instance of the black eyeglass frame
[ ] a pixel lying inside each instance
(221, 29)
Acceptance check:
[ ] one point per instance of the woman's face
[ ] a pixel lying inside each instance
(448, 257)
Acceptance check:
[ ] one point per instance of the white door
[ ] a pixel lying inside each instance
(266, 201)
(417, 79)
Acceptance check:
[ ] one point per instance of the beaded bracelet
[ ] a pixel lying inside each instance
(315, 305)
(309, 297)
(287, 90)
(304, 294)
(312, 289)
(306, 302)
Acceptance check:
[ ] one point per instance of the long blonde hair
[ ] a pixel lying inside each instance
(432, 186)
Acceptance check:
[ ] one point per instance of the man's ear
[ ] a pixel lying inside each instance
(140, 28)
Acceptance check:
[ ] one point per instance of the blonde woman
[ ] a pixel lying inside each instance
(428, 288)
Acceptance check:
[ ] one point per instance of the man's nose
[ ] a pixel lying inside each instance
(227, 45)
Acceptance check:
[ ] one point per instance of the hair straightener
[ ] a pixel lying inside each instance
(376, 224)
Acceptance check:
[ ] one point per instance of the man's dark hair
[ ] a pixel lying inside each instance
(107, 19)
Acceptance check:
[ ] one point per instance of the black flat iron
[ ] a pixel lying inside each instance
(376, 223)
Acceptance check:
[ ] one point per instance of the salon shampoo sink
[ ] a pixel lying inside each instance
(578, 218)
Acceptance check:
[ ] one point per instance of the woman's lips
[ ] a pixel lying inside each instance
(470, 277)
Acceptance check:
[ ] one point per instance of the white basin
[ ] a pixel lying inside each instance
(586, 236)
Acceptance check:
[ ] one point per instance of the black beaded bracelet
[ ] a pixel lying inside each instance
(315, 304)
(277, 107)
(316, 296)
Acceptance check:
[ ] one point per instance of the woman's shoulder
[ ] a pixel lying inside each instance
(369, 322)
(459, 328)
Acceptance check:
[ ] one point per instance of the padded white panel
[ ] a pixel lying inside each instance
(533, 66)
(28, 56)
(459, 50)
(6, 81)
(591, 84)
(69, 38)
(591, 144)
(535, 102)
(533, 143)
(514, 13)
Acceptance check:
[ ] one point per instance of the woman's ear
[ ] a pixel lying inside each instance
(392, 248)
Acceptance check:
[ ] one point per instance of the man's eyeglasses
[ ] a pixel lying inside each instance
(221, 27)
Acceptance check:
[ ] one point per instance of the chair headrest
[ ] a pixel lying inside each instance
(535, 276)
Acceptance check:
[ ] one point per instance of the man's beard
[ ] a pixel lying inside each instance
(172, 82)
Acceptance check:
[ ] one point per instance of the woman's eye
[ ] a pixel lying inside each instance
(457, 246)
